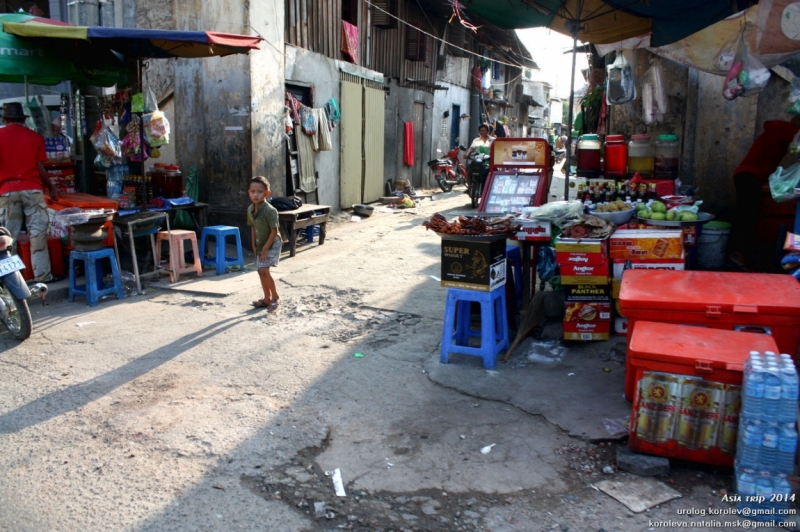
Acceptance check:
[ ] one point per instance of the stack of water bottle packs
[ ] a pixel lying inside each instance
(767, 440)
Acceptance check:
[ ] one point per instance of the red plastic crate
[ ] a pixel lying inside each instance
(751, 302)
(702, 431)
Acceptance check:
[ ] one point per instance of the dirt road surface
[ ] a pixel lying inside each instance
(186, 409)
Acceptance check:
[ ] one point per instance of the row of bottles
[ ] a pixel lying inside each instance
(767, 441)
(138, 189)
(620, 191)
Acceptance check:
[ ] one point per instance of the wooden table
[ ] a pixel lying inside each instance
(197, 211)
(292, 221)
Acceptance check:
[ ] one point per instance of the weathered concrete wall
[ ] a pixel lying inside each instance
(309, 67)
(399, 109)
(444, 101)
(724, 132)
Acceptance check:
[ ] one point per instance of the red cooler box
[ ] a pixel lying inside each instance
(688, 390)
(751, 302)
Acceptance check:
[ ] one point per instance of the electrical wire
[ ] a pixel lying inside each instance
(435, 37)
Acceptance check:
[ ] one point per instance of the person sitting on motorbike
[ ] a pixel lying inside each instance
(481, 144)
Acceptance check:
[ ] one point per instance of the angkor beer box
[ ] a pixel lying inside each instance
(645, 244)
(687, 389)
(474, 263)
(585, 273)
(534, 231)
(588, 311)
(750, 302)
(585, 251)
(586, 331)
(648, 264)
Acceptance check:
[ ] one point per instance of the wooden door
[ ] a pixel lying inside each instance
(351, 165)
(374, 116)
(419, 128)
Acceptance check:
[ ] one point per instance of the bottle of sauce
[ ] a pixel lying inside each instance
(616, 156)
(665, 160)
(589, 154)
(640, 156)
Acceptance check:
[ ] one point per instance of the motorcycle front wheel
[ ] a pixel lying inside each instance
(16, 315)
(476, 188)
(443, 184)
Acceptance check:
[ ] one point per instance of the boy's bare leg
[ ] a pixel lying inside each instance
(270, 283)
(266, 284)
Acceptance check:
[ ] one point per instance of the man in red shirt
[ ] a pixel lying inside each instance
(22, 180)
(752, 173)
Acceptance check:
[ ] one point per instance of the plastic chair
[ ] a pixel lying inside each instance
(94, 287)
(514, 258)
(457, 330)
(177, 261)
(220, 260)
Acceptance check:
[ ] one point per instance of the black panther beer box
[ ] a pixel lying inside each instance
(473, 262)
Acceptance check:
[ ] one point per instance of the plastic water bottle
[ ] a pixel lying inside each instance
(764, 489)
(745, 487)
(754, 392)
(783, 495)
(787, 447)
(768, 454)
(789, 390)
(747, 453)
(771, 403)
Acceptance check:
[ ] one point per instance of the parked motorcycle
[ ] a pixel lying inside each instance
(449, 170)
(478, 171)
(14, 311)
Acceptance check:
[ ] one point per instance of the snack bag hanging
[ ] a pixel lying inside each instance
(156, 129)
(621, 87)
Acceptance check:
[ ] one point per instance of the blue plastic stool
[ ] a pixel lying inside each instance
(494, 325)
(514, 258)
(94, 287)
(220, 261)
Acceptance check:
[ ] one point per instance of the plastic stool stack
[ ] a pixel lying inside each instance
(457, 331)
(514, 257)
(220, 260)
(94, 287)
(177, 262)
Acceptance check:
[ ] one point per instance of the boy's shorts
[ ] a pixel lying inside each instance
(273, 255)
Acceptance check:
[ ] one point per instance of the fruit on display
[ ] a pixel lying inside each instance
(614, 206)
(657, 206)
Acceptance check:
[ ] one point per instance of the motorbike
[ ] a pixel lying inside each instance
(478, 171)
(449, 170)
(14, 311)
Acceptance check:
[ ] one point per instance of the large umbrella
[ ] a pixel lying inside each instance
(606, 21)
(47, 62)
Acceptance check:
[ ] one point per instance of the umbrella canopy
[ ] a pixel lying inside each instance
(143, 43)
(607, 21)
(44, 62)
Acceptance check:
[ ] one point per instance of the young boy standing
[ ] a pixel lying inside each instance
(263, 221)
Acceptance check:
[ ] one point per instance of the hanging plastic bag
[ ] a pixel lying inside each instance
(621, 87)
(782, 182)
(150, 103)
(747, 76)
(108, 146)
(794, 97)
(156, 128)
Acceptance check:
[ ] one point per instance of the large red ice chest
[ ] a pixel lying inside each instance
(697, 388)
(753, 302)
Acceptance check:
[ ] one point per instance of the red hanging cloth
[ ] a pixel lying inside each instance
(408, 149)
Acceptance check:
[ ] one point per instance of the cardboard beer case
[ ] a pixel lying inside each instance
(646, 244)
(587, 331)
(472, 264)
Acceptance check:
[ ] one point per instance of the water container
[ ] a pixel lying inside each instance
(665, 157)
(789, 391)
(771, 405)
(764, 488)
(712, 245)
(754, 392)
(589, 153)
(616, 156)
(745, 487)
(747, 453)
(787, 447)
(783, 495)
(768, 454)
(640, 156)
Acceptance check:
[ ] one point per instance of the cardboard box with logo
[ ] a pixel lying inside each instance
(587, 331)
(588, 311)
(618, 265)
(646, 244)
(534, 231)
(586, 251)
(473, 265)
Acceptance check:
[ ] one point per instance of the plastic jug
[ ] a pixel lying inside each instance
(589, 153)
(665, 163)
(616, 156)
(640, 156)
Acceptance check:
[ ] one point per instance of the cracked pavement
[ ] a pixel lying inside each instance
(185, 409)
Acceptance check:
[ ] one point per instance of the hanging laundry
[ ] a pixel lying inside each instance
(294, 106)
(334, 115)
(305, 153)
(350, 41)
(408, 149)
(322, 140)
(307, 121)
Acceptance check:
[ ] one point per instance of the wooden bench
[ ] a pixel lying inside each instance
(292, 221)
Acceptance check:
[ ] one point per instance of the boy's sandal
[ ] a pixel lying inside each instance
(260, 304)
(273, 306)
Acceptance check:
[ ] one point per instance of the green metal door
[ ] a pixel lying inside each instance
(374, 101)
(351, 165)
